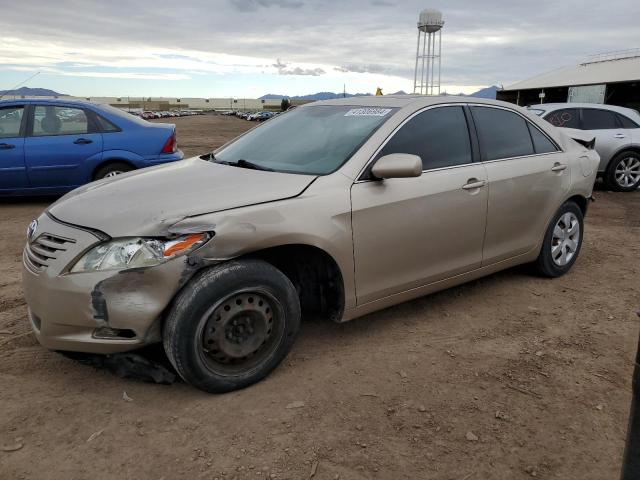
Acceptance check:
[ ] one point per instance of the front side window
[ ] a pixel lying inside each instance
(439, 136)
(10, 121)
(51, 120)
(502, 134)
(595, 119)
(314, 140)
(565, 117)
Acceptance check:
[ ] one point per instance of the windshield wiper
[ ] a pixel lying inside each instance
(242, 163)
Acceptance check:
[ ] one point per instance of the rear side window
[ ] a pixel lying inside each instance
(626, 122)
(565, 117)
(541, 143)
(595, 119)
(10, 121)
(502, 134)
(439, 136)
(51, 120)
(105, 125)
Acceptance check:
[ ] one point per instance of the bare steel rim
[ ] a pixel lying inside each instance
(240, 332)
(566, 239)
(113, 173)
(628, 171)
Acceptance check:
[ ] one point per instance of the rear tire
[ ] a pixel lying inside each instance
(562, 241)
(232, 325)
(623, 172)
(111, 170)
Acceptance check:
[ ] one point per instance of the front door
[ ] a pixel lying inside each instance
(13, 172)
(410, 232)
(57, 149)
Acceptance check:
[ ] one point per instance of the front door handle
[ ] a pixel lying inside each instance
(620, 135)
(83, 141)
(473, 183)
(6, 146)
(558, 167)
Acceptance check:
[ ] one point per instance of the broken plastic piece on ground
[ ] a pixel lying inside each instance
(127, 365)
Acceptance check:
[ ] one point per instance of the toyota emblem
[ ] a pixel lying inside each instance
(31, 229)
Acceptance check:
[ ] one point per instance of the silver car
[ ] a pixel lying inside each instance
(617, 134)
(337, 208)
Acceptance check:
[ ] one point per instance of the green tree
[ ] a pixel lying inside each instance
(285, 104)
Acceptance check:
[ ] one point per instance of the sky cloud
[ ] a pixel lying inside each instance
(219, 48)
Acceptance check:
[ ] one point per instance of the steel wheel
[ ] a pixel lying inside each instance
(566, 239)
(627, 173)
(240, 331)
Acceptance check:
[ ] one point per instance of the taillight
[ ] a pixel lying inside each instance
(171, 144)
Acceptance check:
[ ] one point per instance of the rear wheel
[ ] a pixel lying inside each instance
(623, 172)
(111, 170)
(562, 241)
(232, 325)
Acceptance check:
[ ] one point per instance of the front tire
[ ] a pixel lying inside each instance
(623, 172)
(232, 325)
(562, 241)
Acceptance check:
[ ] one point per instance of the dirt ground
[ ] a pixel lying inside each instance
(508, 377)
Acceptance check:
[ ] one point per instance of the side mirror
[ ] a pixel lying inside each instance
(397, 165)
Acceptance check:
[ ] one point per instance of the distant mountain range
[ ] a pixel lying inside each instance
(489, 92)
(33, 92)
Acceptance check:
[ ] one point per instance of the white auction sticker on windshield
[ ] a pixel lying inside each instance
(367, 112)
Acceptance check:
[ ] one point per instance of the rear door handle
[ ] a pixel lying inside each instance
(83, 141)
(6, 146)
(620, 135)
(473, 184)
(558, 167)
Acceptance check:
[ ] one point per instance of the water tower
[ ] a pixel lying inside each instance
(426, 80)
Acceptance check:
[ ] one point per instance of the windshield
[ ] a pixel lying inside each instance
(309, 140)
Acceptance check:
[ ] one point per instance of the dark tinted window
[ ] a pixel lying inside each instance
(10, 120)
(566, 117)
(541, 143)
(105, 125)
(503, 134)
(626, 122)
(594, 119)
(439, 136)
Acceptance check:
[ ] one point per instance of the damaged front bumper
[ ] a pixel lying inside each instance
(94, 312)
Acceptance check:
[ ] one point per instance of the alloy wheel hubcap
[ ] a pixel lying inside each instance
(566, 239)
(628, 172)
(113, 173)
(239, 329)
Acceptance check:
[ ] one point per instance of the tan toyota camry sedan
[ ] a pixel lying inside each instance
(340, 208)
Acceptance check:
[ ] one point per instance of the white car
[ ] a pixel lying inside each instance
(617, 134)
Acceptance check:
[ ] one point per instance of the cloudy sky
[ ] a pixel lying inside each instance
(247, 48)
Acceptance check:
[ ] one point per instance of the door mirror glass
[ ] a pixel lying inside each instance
(397, 165)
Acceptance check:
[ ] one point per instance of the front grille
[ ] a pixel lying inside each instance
(44, 249)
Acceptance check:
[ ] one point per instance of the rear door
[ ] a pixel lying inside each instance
(410, 232)
(13, 172)
(610, 134)
(528, 179)
(60, 144)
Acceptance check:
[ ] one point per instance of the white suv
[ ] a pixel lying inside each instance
(617, 133)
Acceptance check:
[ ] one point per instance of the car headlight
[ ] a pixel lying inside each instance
(125, 253)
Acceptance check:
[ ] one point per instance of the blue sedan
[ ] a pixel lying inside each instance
(49, 147)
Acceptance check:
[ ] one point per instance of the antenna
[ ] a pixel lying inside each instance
(19, 85)
(430, 33)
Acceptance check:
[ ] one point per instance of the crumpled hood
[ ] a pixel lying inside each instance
(149, 201)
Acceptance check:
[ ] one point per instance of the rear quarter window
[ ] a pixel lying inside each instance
(626, 122)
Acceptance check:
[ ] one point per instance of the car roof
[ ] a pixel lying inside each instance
(400, 101)
(50, 101)
(600, 106)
